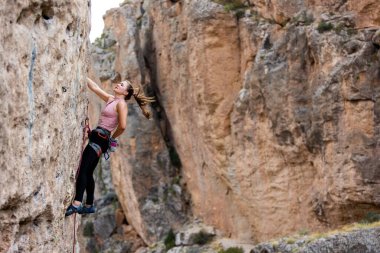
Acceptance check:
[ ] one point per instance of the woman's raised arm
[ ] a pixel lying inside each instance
(97, 90)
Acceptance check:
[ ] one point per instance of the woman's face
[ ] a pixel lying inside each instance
(121, 88)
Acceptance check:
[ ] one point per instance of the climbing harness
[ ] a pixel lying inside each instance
(86, 129)
(103, 137)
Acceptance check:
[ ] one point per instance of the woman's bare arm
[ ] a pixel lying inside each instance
(121, 108)
(97, 90)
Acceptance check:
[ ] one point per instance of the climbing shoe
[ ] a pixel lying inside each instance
(72, 209)
(86, 210)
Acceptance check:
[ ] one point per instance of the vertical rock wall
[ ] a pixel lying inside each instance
(304, 123)
(194, 55)
(271, 109)
(43, 47)
(274, 120)
(365, 12)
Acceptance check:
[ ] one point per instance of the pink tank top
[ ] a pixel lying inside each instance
(108, 117)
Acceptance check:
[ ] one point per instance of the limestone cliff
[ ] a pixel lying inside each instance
(43, 68)
(268, 107)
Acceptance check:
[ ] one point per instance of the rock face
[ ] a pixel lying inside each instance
(366, 13)
(306, 115)
(194, 55)
(43, 57)
(280, 121)
(273, 115)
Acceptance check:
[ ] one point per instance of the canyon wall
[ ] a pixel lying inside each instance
(43, 57)
(267, 113)
(366, 12)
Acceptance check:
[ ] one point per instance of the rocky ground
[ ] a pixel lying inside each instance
(197, 238)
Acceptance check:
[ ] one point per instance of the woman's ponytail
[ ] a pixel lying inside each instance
(142, 101)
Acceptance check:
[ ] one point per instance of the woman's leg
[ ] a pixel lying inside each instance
(89, 157)
(90, 186)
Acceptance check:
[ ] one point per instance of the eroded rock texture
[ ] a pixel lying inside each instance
(43, 47)
(273, 115)
(366, 13)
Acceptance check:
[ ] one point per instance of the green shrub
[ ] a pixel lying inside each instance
(339, 28)
(176, 180)
(290, 240)
(233, 6)
(99, 41)
(232, 250)
(236, 6)
(303, 232)
(352, 31)
(139, 22)
(202, 238)
(240, 13)
(88, 230)
(309, 20)
(170, 240)
(302, 19)
(174, 157)
(370, 218)
(324, 27)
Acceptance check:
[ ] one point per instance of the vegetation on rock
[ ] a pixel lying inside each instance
(170, 240)
(232, 250)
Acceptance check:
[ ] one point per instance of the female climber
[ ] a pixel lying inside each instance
(113, 116)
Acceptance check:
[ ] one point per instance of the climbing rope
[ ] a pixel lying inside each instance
(86, 129)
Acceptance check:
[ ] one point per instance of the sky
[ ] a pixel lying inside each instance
(98, 9)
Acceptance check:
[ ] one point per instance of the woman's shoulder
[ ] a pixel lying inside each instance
(121, 102)
(110, 99)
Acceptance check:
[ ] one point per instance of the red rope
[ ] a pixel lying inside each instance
(86, 129)
(74, 241)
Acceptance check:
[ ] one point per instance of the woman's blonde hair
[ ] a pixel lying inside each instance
(140, 98)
